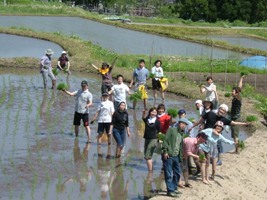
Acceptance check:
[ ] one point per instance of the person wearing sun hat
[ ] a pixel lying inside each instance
(210, 147)
(83, 100)
(46, 68)
(63, 62)
(199, 106)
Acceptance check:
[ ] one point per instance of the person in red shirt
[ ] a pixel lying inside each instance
(164, 119)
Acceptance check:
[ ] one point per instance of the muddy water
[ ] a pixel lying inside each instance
(41, 159)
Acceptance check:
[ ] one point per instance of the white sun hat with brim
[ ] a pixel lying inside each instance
(224, 106)
(63, 52)
(49, 52)
(199, 102)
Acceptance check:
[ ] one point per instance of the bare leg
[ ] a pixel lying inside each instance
(88, 132)
(155, 97)
(76, 130)
(149, 163)
(145, 103)
(213, 168)
(162, 96)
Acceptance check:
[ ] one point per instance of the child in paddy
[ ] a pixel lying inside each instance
(104, 114)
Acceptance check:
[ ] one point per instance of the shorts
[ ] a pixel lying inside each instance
(150, 146)
(235, 129)
(105, 88)
(214, 151)
(156, 84)
(103, 127)
(78, 117)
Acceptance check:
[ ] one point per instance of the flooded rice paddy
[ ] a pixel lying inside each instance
(41, 159)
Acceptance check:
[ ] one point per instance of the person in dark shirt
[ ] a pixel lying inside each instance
(152, 128)
(119, 124)
(235, 113)
(63, 62)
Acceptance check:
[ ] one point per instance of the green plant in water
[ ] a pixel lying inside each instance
(172, 112)
(62, 86)
(251, 118)
(228, 94)
(136, 96)
(241, 144)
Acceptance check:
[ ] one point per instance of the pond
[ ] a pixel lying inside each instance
(120, 40)
(18, 46)
(41, 159)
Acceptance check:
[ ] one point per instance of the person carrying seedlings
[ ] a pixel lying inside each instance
(120, 123)
(210, 89)
(157, 76)
(46, 68)
(104, 114)
(83, 100)
(64, 62)
(210, 148)
(105, 72)
(164, 119)
(140, 76)
(119, 91)
(152, 128)
(190, 150)
(210, 118)
(235, 113)
(172, 156)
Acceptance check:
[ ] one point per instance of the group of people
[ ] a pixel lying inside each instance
(46, 68)
(183, 148)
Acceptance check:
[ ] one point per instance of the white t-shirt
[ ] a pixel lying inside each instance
(157, 71)
(120, 92)
(106, 109)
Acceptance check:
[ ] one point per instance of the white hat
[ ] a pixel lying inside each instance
(49, 52)
(63, 52)
(198, 102)
(224, 106)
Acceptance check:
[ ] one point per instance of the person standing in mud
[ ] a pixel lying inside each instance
(120, 123)
(210, 89)
(157, 73)
(46, 68)
(235, 113)
(63, 62)
(140, 76)
(83, 101)
(105, 72)
(152, 128)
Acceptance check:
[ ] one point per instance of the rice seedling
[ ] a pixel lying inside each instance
(62, 86)
(55, 72)
(185, 135)
(172, 112)
(161, 136)
(241, 144)
(136, 96)
(244, 73)
(201, 157)
(228, 94)
(251, 118)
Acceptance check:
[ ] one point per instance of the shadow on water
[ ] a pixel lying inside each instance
(41, 158)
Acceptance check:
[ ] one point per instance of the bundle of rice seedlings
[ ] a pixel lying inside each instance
(151, 75)
(62, 86)
(201, 157)
(161, 136)
(241, 144)
(172, 112)
(136, 96)
(55, 72)
(252, 118)
(243, 73)
(185, 135)
(228, 94)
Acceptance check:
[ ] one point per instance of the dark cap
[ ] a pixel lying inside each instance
(84, 82)
(181, 111)
(105, 64)
(105, 94)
